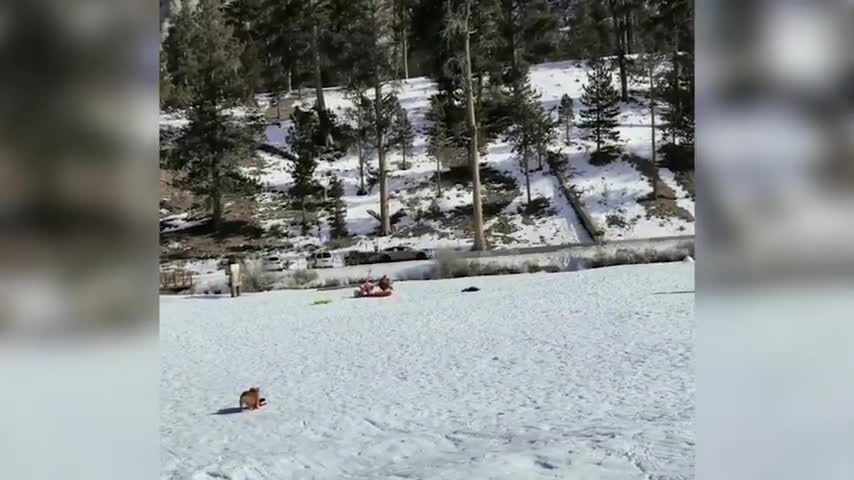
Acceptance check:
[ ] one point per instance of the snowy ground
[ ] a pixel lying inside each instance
(582, 375)
(609, 190)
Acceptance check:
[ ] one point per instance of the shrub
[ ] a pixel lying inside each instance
(302, 278)
(531, 267)
(602, 157)
(276, 230)
(333, 282)
(255, 279)
(446, 263)
(679, 158)
(498, 269)
(537, 206)
(615, 220)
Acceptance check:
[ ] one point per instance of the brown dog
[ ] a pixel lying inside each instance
(252, 399)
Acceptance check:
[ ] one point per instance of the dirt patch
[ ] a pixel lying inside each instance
(665, 206)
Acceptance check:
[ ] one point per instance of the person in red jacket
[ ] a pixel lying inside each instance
(366, 288)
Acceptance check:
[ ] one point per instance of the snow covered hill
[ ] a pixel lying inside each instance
(610, 193)
(573, 375)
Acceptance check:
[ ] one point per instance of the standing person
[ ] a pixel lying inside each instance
(233, 272)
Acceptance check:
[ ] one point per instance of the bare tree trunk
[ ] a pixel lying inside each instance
(405, 49)
(360, 148)
(630, 33)
(479, 241)
(216, 197)
(438, 177)
(527, 169)
(514, 52)
(318, 74)
(624, 78)
(619, 35)
(652, 116)
(304, 216)
(479, 99)
(361, 168)
(400, 11)
(676, 111)
(385, 228)
(318, 85)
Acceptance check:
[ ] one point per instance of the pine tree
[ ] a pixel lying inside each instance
(525, 132)
(287, 44)
(445, 144)
(648, 66)
(305, 125)
(461, 24)
(672, 24)
(178, 52)
(371, 58)
(207, 156)
(167, 88)
(402, 135)
(402, 22)
(566, 115)
(358, 116)
(437, 38)
(315, 14)
(339, 209)
(586, 34)
(209, 148)
(243, 17)
(215, 75)
(528, 34)
(619, 11)
(544, 132)
(601, 104)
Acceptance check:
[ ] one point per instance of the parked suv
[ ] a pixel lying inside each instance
(322, 260)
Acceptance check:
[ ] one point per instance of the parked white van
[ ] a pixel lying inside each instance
(322, 260)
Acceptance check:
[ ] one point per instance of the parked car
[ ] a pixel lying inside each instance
(356, 257)
(274, 264)
(399, 254)
(322, 260)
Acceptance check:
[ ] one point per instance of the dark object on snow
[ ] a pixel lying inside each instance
(471, 289)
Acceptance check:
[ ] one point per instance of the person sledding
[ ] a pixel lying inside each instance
(366, 288)
(385, 284)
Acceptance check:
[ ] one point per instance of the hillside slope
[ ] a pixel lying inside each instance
(613, 194)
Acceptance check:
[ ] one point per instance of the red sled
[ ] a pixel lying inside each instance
(378, 293)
